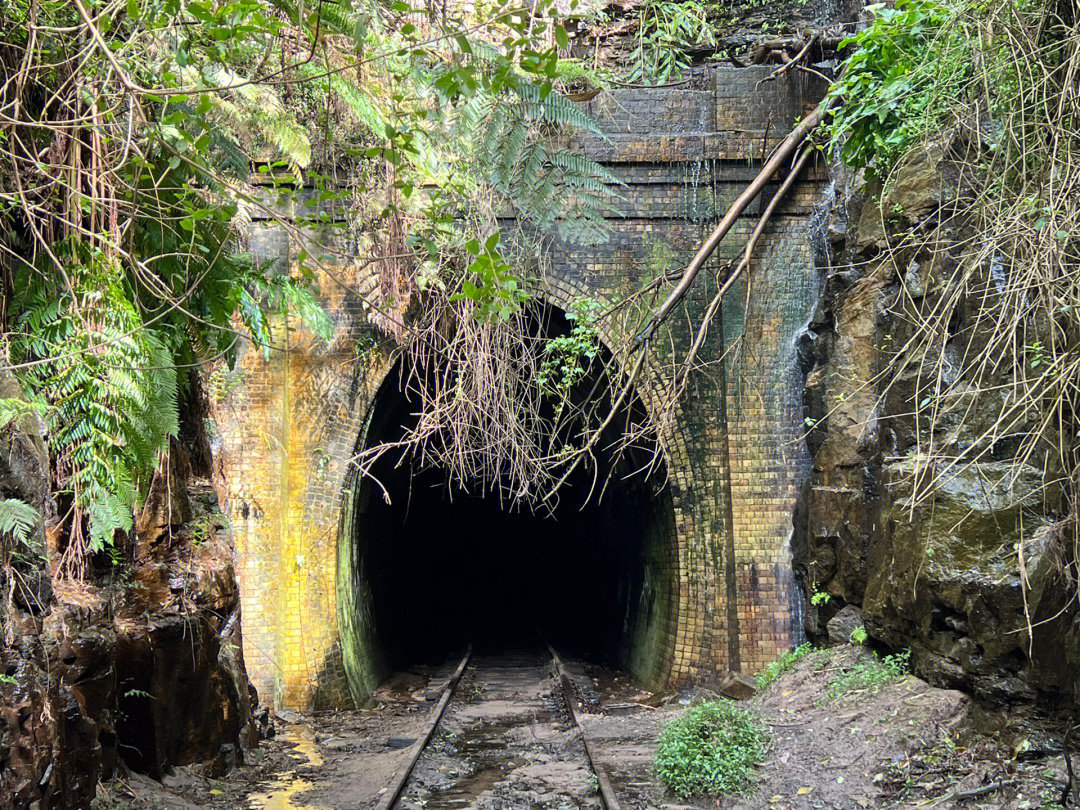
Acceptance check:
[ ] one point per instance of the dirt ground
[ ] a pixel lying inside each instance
(908, 745)
(323, 760)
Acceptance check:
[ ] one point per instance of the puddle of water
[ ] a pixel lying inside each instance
(287, 785)
(485, 750)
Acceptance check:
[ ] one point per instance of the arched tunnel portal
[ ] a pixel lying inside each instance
(427, 566)
(690, 579)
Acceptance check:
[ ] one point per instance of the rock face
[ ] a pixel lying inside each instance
(81, 695)
(56, 732)
(83, 690)
(149, 672)
(959, 575)
(178, 704)
(24, 475)
(183, 695)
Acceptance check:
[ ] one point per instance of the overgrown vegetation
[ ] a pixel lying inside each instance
(131, 133)
(17, 522)
(127, 147)
(870, 674)
(985, 96)
(668, 33)
(785, 662)
(903, 81)
(711, 749)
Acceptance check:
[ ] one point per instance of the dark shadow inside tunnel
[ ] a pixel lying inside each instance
(435, 567)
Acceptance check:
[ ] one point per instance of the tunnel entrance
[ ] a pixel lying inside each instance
(433, 567)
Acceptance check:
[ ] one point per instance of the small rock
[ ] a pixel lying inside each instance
(661, 698)
(232, 755)
(737, 686)
(913, 280)
(287, 716)
(841, 626)
(620, 708)
(180, 778)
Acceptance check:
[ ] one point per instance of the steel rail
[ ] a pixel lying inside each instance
(390, 797)
(607, 792)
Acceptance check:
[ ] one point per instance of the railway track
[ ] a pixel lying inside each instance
(504, 733)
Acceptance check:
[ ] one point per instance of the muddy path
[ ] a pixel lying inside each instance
(506, 741)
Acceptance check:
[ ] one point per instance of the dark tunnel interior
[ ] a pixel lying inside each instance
(443, 568)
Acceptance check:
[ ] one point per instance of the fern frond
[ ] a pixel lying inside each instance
(17, 519)
(556, 109)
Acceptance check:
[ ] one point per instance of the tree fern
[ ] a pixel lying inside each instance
(489, 127)
(509, 153)
(110, 379)
(112, 388)
(555, 109)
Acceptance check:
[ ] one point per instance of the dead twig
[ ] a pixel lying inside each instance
(1071, 783)
(974, 793)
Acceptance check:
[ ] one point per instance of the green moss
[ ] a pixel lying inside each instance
(646, 642)
(363, 660)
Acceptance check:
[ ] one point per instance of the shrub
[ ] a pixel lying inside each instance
(905, 76)
(870, 674)
(711, 749)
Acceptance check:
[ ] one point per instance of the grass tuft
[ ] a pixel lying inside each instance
(786, 661)
(871, 674)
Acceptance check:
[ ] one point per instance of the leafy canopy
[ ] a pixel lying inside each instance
(126, 168)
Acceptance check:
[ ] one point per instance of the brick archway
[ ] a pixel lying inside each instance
(652, 663)
(289, 421)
